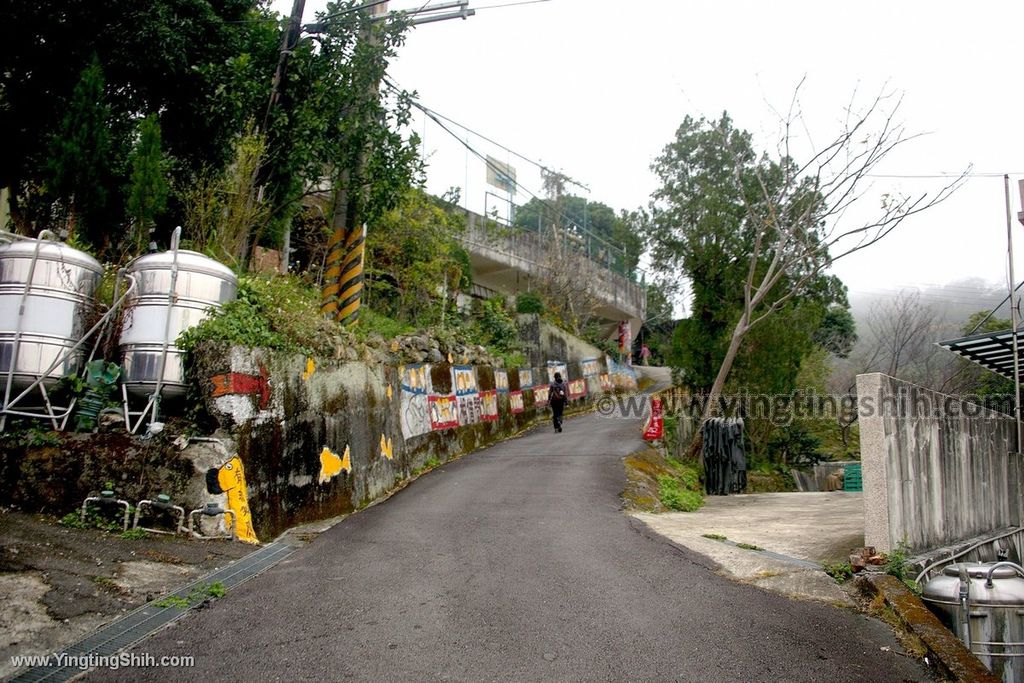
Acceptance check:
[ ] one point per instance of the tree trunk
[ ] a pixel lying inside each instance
(723, 371)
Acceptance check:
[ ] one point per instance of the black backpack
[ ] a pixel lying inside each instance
(557, 392)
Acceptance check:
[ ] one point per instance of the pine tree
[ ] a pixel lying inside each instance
(80, 162)
(148, 190)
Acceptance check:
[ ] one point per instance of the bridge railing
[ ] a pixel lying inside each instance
(538, 249)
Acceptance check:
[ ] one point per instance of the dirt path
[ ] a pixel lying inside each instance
(59, 584)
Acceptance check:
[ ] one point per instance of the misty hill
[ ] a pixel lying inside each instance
(952, 303)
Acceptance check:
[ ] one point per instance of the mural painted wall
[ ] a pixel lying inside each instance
(350, 430)
(577, 388)
(590, 367)
(414, 412)
(557, 366)
(501, 381)
(623, 376)
(444, 412)
(489, 405)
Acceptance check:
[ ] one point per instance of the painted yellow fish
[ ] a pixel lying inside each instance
(387, 448)
(231, 478)
(310, 369)
(331, 465)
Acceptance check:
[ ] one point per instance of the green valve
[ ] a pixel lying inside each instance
(164, 498)
(106, 493)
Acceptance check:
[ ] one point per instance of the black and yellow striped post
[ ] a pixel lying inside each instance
(329, 292)
(351, 277)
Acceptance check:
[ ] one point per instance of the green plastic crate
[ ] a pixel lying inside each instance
(852, 480)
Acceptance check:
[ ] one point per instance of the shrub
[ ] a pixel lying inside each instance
(529, 302)
(675, 497)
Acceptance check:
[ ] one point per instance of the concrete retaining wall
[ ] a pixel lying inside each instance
(316, 442)
(936, 469)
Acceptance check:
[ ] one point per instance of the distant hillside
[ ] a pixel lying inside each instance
(952, 302)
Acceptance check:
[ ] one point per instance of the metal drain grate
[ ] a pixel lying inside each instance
(135, 626)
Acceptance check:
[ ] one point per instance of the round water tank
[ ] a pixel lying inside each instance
(153, 317)
(992, 624)
(61, 284)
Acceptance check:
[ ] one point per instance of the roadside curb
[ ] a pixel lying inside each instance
(946, 650)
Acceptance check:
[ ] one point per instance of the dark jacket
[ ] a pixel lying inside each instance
(551, 392)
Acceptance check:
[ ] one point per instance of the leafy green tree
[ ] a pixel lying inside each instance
(415, 266)
(205, 65)
(147, 194)
(618, 243)
(837, 332)
(763, 231)
(80, 166)
(979, 380)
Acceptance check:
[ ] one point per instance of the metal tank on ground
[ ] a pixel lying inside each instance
(983, 604)
(46, 296)
(175, 290)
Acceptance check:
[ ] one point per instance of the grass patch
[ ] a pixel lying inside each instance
(195, 596)
(749, 546)
(658, 484)
(134, 534)
(715, 537)
(840, 571)
(896, 565)
(675, 496)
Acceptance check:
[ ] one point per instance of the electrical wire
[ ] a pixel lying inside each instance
(514, 153)
(434, 117)
(510, 4)
(940, 175)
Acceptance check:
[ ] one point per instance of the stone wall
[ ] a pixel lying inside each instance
(937, 470)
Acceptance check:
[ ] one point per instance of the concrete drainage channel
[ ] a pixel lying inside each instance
(137, 625)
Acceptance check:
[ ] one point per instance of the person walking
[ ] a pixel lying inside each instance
(645, 354)
(558, 396)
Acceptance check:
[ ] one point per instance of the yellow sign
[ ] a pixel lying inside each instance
(231, 477)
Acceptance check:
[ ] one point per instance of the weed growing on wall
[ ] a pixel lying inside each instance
(840, 571)
(278, 313)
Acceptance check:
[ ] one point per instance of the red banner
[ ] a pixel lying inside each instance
(577, 389)
(444, 412)
(655, 428)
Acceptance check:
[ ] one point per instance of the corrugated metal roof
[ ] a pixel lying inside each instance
(992, 350)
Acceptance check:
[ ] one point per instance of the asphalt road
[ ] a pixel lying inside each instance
(516, 563)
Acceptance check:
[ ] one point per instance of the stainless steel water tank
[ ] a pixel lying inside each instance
(153, 317)
(60, 292)
(987, 614)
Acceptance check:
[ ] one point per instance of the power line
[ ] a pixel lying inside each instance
(434, 117)
(511, 4)
(514, 153)
(941, 175)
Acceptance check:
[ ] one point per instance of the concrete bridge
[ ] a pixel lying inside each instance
(507, 260)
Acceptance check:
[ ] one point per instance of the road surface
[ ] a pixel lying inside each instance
(516, 563)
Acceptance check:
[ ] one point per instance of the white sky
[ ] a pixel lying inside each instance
(597, 88)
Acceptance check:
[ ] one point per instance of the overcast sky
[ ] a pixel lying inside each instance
(597, 88)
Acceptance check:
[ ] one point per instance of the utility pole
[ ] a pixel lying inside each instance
(343, 282)
(342, 292)
(1014, 317)
(288, 43)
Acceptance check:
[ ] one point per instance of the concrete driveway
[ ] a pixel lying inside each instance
(799, 531)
